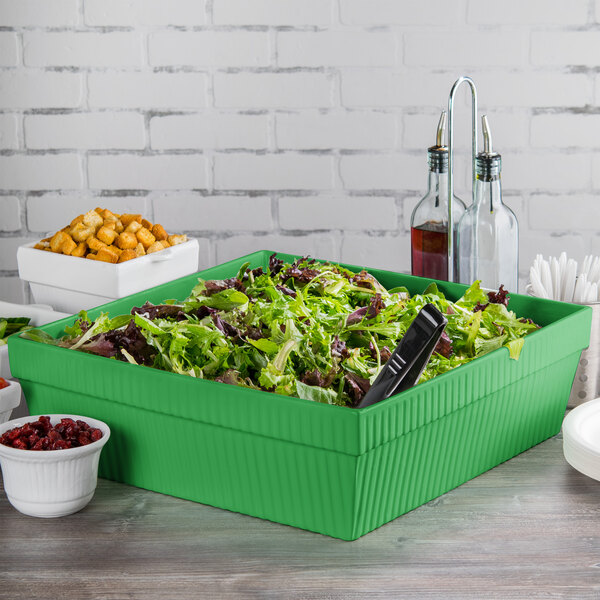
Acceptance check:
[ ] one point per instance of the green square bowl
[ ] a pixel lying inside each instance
(334, 470)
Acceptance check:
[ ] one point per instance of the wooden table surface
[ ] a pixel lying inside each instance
(530, 528)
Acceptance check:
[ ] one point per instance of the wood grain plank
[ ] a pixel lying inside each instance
(530, 528)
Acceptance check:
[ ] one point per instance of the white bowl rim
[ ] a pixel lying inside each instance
(11, 383)
(49, 455)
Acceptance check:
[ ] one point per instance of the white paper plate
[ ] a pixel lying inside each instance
(581, 438)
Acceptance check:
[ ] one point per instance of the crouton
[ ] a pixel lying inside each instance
(76, 220)
(68, 245)
(95, 244)
(127, 240)
(133, 227)
(107, 254)
(158, 231)
(177, 239)
(80, 250)
(127, 255)
(126, 219)
(80, 232)
(145, 237)
(156, 247)
(140, 250)
(58, 239)
(93, 219)
(106, 235)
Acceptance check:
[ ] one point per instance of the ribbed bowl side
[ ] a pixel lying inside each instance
(293, 484)
(400, 475)
(50, 481)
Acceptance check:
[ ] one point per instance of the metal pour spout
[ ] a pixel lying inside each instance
(439, 138)
(487, 135)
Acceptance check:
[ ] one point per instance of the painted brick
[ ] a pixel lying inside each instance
(8, 251)
(564, 48)
(565, 130)
(209, 48)
(534, 89)
(383, 171)
(130, 172)
(10, 213)
(82, 49)
(33, 172)
(349, 130)
(407, 12)
(347, 213)
(380, 252)
(273, 172)
(9, 49)
(144, 12)
(272, 12)
(12, 289)
(185, 212)
(532, 12)
(564, 213)
(40, 89)
(323, 246)
(219, 131)
(468, 49)
(104, 130)
(546, 171)
(9, 132)
(147, 90)
(336, 48)
(273, 90)
(205, 253)
(39, 13)
(595, 171)
(386, 87)
(50, 212)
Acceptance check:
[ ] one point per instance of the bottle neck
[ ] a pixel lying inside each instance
(488, 192)
(437, 184)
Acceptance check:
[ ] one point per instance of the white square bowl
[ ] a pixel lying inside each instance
(71, 284)
(10, 397)
(39, 315)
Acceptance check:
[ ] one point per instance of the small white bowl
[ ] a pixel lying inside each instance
(10, 397)
(51, 483)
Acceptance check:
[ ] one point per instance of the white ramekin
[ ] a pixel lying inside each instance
(51, 483)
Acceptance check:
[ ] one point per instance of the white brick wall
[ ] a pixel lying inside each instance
(293, 125)
(10, 214)
(88, 131)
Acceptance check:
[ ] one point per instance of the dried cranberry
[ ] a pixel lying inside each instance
(40, 435)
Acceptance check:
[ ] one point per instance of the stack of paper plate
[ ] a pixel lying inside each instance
(581, 438)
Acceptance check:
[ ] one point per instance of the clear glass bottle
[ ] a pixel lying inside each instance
(429, 220)
(488, 233)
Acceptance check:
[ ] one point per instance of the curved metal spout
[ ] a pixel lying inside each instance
(457, 83)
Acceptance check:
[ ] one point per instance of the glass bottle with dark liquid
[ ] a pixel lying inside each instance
(429, 220)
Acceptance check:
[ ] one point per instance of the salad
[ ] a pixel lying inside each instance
(308, 329)
(10, 325)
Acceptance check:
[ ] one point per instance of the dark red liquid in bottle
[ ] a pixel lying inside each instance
(429, 251)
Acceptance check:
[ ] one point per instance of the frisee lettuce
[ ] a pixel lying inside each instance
(312, 330)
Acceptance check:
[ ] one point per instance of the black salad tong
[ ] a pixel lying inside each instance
(410, 357)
